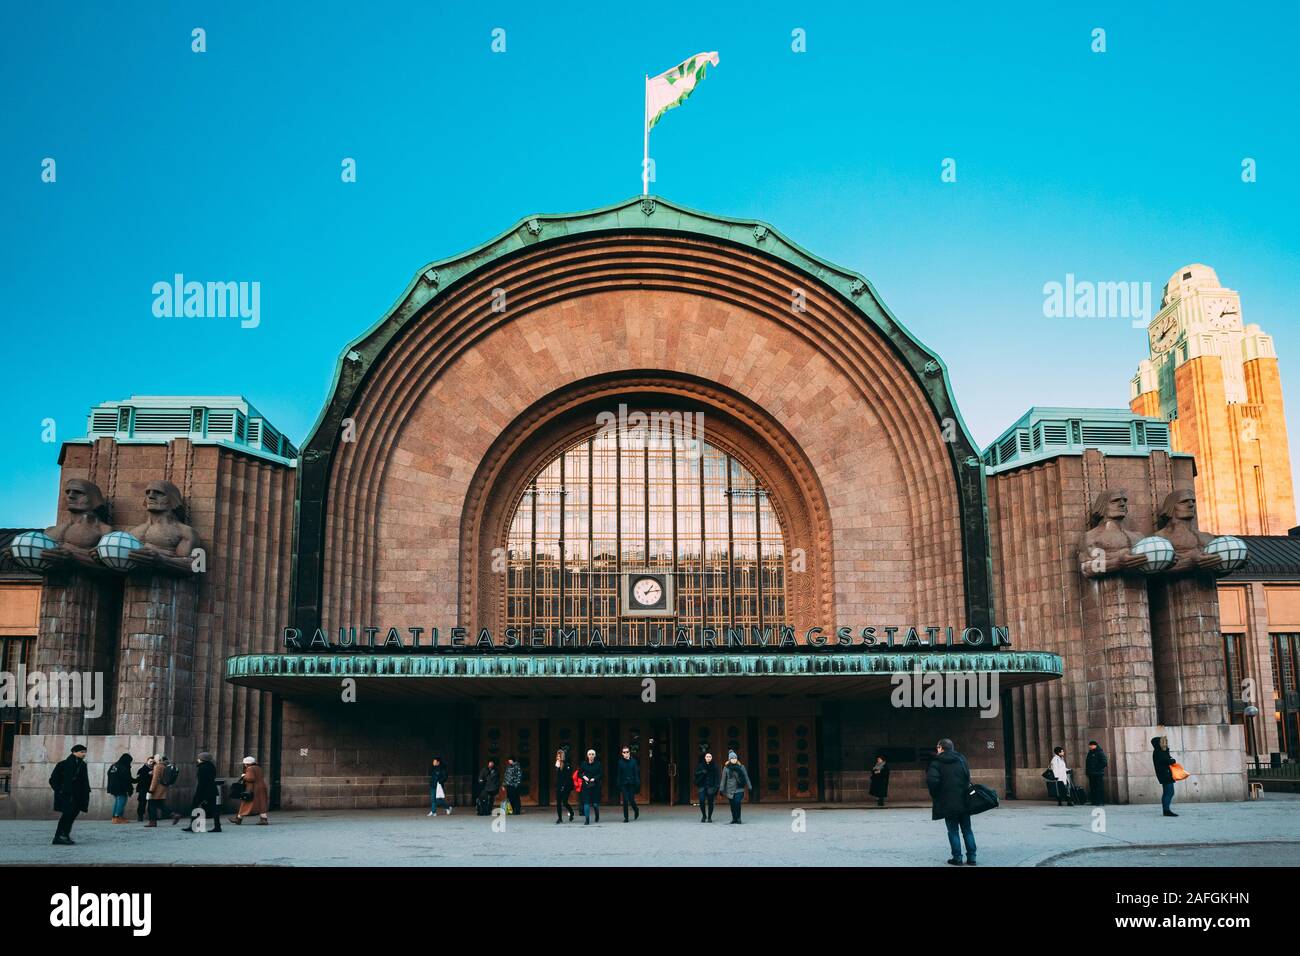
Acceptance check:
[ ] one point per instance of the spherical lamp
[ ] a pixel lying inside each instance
(114, 549)
(1159, 554)
(1231, 552)
(28, 549)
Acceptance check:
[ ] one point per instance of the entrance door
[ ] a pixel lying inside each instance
(717, 735)
(512, 738)
(786, 766)
(651, 744)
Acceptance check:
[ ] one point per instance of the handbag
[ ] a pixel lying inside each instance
(1048, 775)
(1177, 772)
(980, 798)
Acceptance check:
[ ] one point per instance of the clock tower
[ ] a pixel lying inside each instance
(1216, 381)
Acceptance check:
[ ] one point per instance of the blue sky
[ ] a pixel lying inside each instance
(1115, 166)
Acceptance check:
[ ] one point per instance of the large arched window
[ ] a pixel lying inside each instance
(625, 501)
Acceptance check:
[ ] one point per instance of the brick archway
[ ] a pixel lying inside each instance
(479, 343)
(733, 423)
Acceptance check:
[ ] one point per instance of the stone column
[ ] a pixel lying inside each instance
(155, 667)
(77, 631)
(1188, 646)
(1119, 673)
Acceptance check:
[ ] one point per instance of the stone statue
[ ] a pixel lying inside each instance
(166, 543)
(1105, 549)
(1177, 523)
(87, 522)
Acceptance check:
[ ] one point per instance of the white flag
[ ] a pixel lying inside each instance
(671, 87)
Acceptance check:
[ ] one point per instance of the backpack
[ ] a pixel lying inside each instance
(171, 775)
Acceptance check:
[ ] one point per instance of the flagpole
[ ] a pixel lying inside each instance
(645, 125)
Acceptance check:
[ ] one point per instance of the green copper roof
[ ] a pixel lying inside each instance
(1045, 432)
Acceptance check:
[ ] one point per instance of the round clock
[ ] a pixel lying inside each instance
(647, 592)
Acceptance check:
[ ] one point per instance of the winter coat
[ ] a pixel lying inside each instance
(1059, 770)
(1096, 764)
(593, 775)
(948, 779)
(489, 781)
(1162, 760)
(708, 777)
(735, 779)
(437, 775)
(158, 789)
(142, 778)
(119, 780)
(563, 779)
(257, 796)
(205, 790)
(71, 784)
(879, 781)
(514, 775)
(629, 773)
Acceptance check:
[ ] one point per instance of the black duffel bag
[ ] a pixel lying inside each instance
(980, 798)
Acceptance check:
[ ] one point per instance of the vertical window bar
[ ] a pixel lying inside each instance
(731, 552)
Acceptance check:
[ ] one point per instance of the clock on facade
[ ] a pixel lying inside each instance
(647, 594)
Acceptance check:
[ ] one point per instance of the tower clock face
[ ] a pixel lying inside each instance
(1164, 336)
(647, 594)
(1222, 312)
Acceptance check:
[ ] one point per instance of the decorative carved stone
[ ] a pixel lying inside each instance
(1177, 524)
(77, 535)
(167, 544)
(1106, 548)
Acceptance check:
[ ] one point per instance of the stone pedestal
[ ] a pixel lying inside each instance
(78, 625)
(1187, 644)
(1117, 654)
(1214, 755)
(155, 658)
(36, 754)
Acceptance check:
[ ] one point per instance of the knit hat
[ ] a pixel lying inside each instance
(205, 757)
(731, 755)
(248, 760)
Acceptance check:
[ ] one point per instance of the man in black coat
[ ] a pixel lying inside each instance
(143, 777)
(948, 778)
(629, 782)
(71, 784)
(206, 795)
(1095, 768)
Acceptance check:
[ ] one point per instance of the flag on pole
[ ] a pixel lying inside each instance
(671, 87)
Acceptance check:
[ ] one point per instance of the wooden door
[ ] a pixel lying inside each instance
(512, 738)
(786, 766)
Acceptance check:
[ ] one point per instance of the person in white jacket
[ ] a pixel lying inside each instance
(1062, 774)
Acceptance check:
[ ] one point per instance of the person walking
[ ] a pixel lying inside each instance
(70, 782)
(157, 804)
(143, 777)
(1061, 773)
(514, 780)
(1163, 760)
(948, 780)
(206, 796)
(563, 786)
(735, 781)
(489, 785)
(437, 788)
(257, 796)
(119, 786)
(879, 780)
(708, 778)
(1094, 767)
(592, 774)
(629, 782)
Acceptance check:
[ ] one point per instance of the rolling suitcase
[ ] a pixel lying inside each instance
(483, 805)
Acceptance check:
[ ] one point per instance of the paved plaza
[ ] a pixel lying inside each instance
(1264, 833)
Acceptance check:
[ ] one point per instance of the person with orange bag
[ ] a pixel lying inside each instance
(1164, 763)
